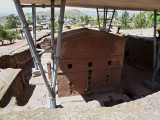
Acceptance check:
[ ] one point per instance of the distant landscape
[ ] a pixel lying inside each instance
(10, 25)
(71, 13)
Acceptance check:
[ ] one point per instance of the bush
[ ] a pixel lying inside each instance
(3, 34)
(38, 28)
(56, 25)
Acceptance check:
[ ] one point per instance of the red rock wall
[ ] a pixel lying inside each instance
(18, 60)
(16, 89)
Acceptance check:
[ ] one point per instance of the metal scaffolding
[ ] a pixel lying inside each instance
(34, 30)
(55, 50)
(156, 57)
(32, 44)
(105, 19)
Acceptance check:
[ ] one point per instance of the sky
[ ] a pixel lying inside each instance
(7, 7)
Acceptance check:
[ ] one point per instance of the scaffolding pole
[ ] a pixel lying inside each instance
(57, 55)
(111, 21)
(34, 30)
(98, 19)
(40, 6)
(52, 48)
(32, 47)
(156, 61)
(154, 41)
(104, 20)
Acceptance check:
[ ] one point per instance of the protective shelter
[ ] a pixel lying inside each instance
(144, 5)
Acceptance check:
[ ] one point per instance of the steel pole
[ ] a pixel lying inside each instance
(34, 29)
(57, 55)
(34, 23)
(154, 41)
(111, 21)
(155, 62)
(52, 47)
(31, 45)
(104, 20)
(98, 19)
(41, 6)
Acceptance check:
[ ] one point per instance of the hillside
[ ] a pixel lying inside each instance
(69, 13)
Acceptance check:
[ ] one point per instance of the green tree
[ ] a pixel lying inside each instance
(39, 21)
(97, 23)
(116, 14)
(37, 17)
(56, 25)
(29, 22)
(12, 35)
(73, 18)
(125, 19)
(74, 22)
(42, 16)
(140, 20)
(92, 22)
(81, 19)
(150, 19)
(86, 19)
(12, 21)
(3, 33)
(65, 16)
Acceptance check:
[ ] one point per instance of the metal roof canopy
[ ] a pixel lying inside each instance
(144, 5)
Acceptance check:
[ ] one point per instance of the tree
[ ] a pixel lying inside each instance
(92, 22)
(12, 35)
(116, 14)
(125, 19)
(29, 22)
(65, 16)
(56, 25)
(73, 18)
(140, 20)
(39, 21)
(3, 33)
(42, 16)
(97, 22)
(12, 21)
(81, 19)
(37, 17)
(86, 19)
(74, 22)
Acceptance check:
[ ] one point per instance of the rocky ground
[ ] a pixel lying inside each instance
(147, 108)
(36, 100)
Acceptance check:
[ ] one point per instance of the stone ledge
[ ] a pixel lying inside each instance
(11, 84)
(147, 108)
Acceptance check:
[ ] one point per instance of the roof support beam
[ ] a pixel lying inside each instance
(41, 6)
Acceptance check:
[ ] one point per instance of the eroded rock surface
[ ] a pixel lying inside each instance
(147, 108)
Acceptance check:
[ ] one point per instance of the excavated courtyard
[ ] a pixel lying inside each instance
(35, 98)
